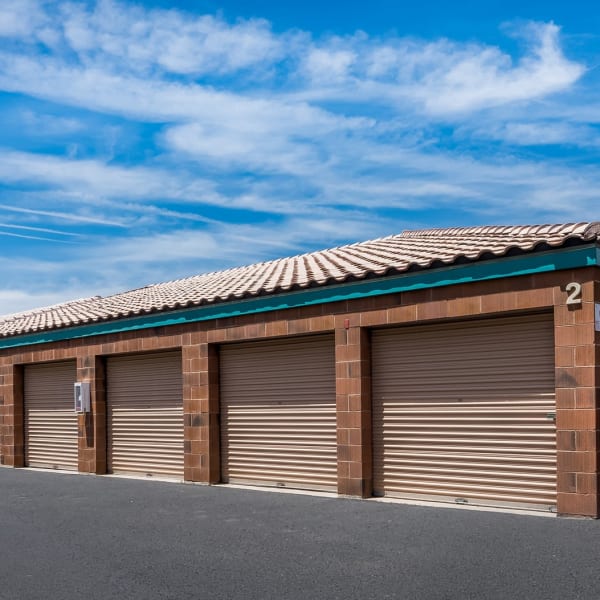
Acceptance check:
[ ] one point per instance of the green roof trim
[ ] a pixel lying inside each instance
(542, 262)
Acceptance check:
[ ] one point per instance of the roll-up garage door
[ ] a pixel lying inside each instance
(464, 412)
(278, 418)
(50, 419)
(145, 414)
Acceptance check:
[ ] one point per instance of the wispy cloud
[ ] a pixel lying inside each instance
(33, 237)
(170, 40)
(50, 125)
(98, 178)
(443, 77)
(39, 229)
(541, 133)
(21, 18)
(63, 216)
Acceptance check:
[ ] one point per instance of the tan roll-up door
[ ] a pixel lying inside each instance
(278, 418)
(145, 414)
(51, 428)
(464, 412)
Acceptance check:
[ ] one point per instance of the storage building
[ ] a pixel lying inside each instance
(454, 365)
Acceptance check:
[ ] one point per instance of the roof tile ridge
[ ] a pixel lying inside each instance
(548, 229)
(592, 231)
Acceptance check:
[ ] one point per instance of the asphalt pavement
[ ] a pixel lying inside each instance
(81, 537)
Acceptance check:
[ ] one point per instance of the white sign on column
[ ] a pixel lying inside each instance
(597, 317)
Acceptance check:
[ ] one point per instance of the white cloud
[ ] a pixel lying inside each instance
(19, 300)
(50, 125)
(170, 40)
(488, 78)
(125, 36)
(20, 18)
(98, 178)
(28, 236)
(27, 228)
(269, 151)
(443, 77)
(328, 65)
(124, 53)
(155, 100)
(58, 216)
(541, 133)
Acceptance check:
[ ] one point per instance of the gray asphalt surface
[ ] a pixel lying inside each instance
(66, 537)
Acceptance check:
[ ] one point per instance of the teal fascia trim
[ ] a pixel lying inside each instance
(543, 262)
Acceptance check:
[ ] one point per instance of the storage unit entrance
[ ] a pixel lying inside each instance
(145, 414)
(51, 433)
(278, 413)
(465, 412)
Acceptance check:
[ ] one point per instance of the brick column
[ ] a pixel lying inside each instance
(4, 393)
(353, 401)
(1, 420)
(201, 413)
(92, 425)
(594, 481)
(577, 382)
(13, 453)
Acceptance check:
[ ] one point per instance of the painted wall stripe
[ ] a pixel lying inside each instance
(543, 262)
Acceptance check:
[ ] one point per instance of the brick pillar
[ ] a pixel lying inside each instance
(201, 413)
(353, 401)
(3, 394)
(577, 382)
(594, 481)
(13, 453)
(92, 425)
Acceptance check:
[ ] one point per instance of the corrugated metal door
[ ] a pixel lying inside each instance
(278, 418)
(145, 414)
(51, 429)
(464, 412)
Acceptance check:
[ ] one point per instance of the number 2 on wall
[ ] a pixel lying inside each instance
(574, 290)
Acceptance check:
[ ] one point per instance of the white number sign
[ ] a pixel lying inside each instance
(574, 290)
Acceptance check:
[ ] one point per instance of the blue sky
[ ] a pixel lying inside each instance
(146, 141)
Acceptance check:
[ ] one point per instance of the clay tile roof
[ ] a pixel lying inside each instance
(392, 255)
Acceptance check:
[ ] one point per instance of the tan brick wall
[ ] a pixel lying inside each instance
(577, 369)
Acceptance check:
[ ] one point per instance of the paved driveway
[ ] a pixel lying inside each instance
(79, 537)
